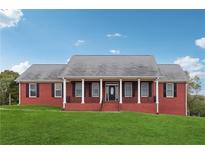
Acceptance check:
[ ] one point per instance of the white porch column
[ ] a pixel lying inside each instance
(138, 91)
(120, 91)
(157, 95)
(101, 91)
(82, 98)
(19, 93)
(64, 92)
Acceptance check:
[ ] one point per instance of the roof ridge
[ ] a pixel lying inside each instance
(113, 55)
(49, 64)
(168, 64)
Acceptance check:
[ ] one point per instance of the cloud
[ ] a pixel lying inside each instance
(189, 63)
(200, 42)
(10, 18)
(192, 65)
(20, 68)
(114, 35)
(79, 43)
(115, 51)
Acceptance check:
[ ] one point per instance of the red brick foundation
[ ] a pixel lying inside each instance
(142, 107)
(82, 107)
(133, 107)
(110, 106)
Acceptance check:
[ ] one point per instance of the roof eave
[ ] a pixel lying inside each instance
(107, 77)
(26, 81)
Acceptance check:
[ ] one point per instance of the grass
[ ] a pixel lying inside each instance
(49, 125)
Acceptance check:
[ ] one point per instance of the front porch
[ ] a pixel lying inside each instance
(111, 95)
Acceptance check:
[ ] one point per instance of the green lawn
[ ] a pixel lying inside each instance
(49, 125)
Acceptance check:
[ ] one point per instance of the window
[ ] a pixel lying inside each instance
(58, 89)
(32, 90)
(95, 89)
(144, 89)
(169, 89)
(78, 89)
(128, 89)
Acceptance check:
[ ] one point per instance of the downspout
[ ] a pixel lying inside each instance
(186, 91)
(157, 95)
(19, 93)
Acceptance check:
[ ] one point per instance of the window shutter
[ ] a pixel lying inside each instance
(136, 88)
(175, 90)
(164, 90)
(62, 90)
(52, 89)
(85, 89)
(141, 82)
(150, 89)
(85, 85)
(90, 89)
(99, 88)
(37, 86)
(140, 88)
(123, 89)
(73, 88)
(133, 89)
(27, 89)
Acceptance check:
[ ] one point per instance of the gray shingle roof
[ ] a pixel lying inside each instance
(108, 65)
(102, 65)
(39, 72)
(172, 72)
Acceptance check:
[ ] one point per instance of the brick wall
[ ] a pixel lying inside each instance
(174, 105)
(45, 96)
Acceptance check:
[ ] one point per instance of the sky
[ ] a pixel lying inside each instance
(53, 36)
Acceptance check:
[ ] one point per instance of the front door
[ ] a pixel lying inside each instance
(111, 93)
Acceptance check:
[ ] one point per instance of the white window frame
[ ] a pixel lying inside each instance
(147, 84)
(127, 84)
(55, 89)
(30, 90)
(172, 88)
(94, 84)
(80, 83)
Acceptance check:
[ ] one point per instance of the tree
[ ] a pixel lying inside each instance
(8, 86)
(196, 103)
(194, 85)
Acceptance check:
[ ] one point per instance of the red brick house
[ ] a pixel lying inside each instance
(107, 83)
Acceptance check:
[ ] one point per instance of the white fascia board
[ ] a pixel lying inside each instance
(110, 77)
(40, 81)
(171, 81)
